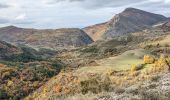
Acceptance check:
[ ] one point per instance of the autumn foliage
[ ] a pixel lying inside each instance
(148, 59)
(2, 65)
(133, 68)
(160, 64)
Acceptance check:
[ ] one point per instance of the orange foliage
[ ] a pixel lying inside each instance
(27, 98)
(2, 65)
(148, 59)
(58, 89)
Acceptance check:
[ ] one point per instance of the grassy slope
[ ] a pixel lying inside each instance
(121, 62)
(163, 40)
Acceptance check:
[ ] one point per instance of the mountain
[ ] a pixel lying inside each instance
(129, 21)
(47, 38)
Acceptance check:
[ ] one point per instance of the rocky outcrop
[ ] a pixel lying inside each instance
(129, 21)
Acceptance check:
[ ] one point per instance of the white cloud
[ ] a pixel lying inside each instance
(167, 1)
(71, 13)
(21, 17)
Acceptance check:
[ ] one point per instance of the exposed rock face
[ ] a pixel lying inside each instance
(96, 31)
(129, 21)
(50, 38)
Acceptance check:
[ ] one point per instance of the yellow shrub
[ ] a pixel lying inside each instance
(168, 59)
(162, 60)
(148, 59)
(160, 64)
(133, 68)
(10, 83)
(45, 90)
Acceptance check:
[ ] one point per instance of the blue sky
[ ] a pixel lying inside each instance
(44, 14)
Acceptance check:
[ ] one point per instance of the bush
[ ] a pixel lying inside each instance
(96, 85)
(160, 64)
(3, 95)
(119, 91)
(91, 49)
(148, 59)
(133, 68)
(137, 67)
(2, 65)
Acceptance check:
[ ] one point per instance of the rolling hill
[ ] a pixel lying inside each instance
(47, 38)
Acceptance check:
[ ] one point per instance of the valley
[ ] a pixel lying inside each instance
(126, 58)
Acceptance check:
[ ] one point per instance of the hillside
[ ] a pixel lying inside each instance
(129, 21)
(7, 50)
(24, 69)
(140, 74)
(134, 66)
(49, 38)
(126, 58)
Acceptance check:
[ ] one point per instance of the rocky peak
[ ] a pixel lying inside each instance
(129, 21)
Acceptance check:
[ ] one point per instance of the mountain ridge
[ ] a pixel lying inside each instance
(129, 21)
(50, 38)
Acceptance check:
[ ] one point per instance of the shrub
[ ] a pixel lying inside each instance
(119, 91)
(160, 64)
(3, 95)
(136, 67)
(148, 59)
(96, 85)
(155, 78)
(133, 68)
(2, 65)
(91, 49)
(58, 89)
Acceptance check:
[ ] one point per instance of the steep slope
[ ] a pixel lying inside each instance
(129, 21)
(49, 38)
(96, 31)
(23, 70)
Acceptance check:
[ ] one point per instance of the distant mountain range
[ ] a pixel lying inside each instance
(129, 21)
(49, 38)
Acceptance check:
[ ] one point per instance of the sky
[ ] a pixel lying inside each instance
(45, 14)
